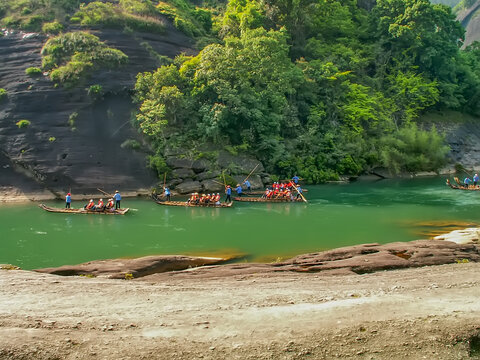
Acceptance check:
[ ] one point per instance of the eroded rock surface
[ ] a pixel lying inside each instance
(125, 268)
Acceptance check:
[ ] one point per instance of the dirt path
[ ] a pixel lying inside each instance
(429, 312)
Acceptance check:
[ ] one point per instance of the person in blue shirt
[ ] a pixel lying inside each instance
(68, 201)
(467, 182)
(475, 179)
(167, 193)
(248, 185)
(299, 192)
(238, 189)
(228, 191)
(117, 197)
(295, 179)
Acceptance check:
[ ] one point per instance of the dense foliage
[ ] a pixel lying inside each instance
(52, 16)
(314, 87)
(71, 56)
(32, 14)
(319, 88)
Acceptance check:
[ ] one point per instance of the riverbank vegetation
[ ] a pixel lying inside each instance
(318, 88)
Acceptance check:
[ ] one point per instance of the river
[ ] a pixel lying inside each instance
(336, 215)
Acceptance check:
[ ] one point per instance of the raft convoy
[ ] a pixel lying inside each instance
(277, 193)
(289, 191)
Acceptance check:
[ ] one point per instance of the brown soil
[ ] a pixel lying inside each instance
(421, 313)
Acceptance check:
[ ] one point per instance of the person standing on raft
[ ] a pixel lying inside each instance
(167, 193)
(239, 190)
(228, 192)
(117, 197)
(68, 201)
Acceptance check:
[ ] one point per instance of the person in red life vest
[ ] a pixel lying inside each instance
(110, 204)
(217, 199)
(90, 205)
(99, 206)
(270, 193)
(202, 198)
(194, 199)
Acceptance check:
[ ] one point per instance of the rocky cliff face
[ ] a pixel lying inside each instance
(73, 141)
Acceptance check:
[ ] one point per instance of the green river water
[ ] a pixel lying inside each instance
(336, 215)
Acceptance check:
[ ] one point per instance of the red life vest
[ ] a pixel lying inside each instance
(90, 205)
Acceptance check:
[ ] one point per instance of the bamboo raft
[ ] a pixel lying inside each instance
(83, 211)
(185, 204)
(460, 186)
(261, 192)
(257, 199)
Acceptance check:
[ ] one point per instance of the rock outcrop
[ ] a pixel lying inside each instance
(132, 268)
(75, 142)
(357, 259)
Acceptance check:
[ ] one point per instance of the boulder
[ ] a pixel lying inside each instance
(189, 187)
(176, 163)
(358, 259)
(211, 186)
(183, 173)
(240, 164)
(132, 268)
(209, 174)
(199, 165)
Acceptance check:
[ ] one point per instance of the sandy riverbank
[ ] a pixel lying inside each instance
(422, 313)
(11, 194)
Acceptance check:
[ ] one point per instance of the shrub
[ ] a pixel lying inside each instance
(95, 92)
(52, 28)
(131, 13)
(158, 164)
(33, 71)
(411, 149)
(22, 123)
(3, 94)
(72, 119)
(131, 144)
(73, 55)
